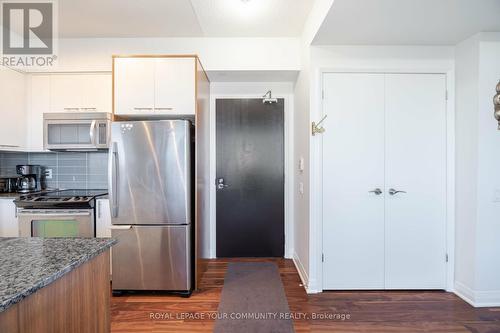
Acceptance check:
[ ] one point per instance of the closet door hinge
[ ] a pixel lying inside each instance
(322, 257)
(322, 94)
(446, 94)
(446, 257)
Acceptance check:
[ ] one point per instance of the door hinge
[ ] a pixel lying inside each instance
(322, 94)
(446, 94)
(446, 257)
(322, 257)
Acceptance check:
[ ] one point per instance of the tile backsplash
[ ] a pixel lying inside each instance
(69, 169)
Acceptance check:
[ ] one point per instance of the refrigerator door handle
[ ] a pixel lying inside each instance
(114, 180)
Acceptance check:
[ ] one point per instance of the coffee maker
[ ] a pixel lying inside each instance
(32, 178)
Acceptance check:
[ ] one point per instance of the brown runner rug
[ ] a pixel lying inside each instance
(253, 300)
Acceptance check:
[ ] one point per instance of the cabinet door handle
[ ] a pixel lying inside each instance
(164, 109)
(71, 109)
(139, 109)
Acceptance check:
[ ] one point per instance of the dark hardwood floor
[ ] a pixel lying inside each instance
(381, 312)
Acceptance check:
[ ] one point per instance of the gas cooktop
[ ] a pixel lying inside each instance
(60, 199)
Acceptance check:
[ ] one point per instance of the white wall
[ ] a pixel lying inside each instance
(301, 151)
(477, 163)
(302, 228)
(216, 54)
(488, 236)
(466, 130)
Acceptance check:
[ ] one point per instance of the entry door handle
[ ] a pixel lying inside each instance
(220, 184)
(394, 192)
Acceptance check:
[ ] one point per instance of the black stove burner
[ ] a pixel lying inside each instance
(60, 199)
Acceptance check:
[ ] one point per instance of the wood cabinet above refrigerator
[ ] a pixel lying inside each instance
(154, 86)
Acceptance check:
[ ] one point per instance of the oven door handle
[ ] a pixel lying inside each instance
(51, 213)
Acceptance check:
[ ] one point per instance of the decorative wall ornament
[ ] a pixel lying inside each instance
(496, 102)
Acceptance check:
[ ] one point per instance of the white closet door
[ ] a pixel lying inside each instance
(415, 149)
(353, 165)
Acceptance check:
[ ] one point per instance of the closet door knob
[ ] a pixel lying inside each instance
(394, 192)
(377, 191)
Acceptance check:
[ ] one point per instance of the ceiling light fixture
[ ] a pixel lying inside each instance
(248, 10)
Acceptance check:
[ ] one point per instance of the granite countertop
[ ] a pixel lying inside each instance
(29, 264)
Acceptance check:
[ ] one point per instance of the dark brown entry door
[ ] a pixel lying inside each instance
(250, 178)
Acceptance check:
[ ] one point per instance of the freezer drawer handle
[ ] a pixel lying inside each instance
(121, 227)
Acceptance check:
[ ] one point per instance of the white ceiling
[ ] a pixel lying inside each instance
(407, 22)
(182, 18)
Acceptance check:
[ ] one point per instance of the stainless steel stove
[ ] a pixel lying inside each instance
(65, 213)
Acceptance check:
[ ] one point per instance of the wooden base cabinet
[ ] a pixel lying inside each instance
(77, 302)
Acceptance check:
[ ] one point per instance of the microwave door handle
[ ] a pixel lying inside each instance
(114, 180)
(92, 132)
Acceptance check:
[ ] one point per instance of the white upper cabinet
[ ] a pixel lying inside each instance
(65, 92)
(155, 86)
(13, 129)
(96, 92)
(39, 103)
(175, 86)
(80, 92)
(134, 85)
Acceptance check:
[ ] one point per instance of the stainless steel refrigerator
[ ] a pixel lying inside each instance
(150, 192)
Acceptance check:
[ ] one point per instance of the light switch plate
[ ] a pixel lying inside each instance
(48, 173)
(301, 188)
(496, 195)
(301, 164)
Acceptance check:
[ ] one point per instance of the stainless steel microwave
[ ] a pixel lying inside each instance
(76, 131)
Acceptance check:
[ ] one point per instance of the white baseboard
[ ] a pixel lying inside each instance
(477, 298)
(300, 269)
(464, 292)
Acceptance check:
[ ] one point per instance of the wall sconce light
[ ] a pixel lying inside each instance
(496, 102)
